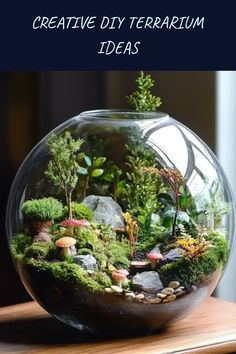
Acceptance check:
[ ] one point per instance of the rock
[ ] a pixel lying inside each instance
(174, 284)
(179, 290)
(106, 210)
(180, 293)
(42, 237)
(156, 300)
(108, 290)
(169, 298)
(116, 289)
(194, 288)
(147, 281)
(174, 254)
(130, 295)
(156, 249)
(161, 296)
(86, 261)
(140, 297)
(168, 291)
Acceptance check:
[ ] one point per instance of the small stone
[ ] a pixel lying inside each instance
(171, 298)
(168, 291)
(156, 300)
(106, 210)
(179, 290)
(108, 290)
(174, 284)
(182, 292)
(130, 295)
(194, 288)
(161, 296)
(173, 254)
(140, 297)
(116, 289)
(87, 261)
(147, 281)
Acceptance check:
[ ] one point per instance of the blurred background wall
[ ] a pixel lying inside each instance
(33, 103)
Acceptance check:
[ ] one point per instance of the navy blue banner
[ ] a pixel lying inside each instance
(122, 35)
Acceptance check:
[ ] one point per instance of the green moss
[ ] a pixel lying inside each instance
(42, 209)
(68, 272)
(192, 271)
(83, 251)
(221, 247)
(79, 211)
(38, 250)
(118, 254)
(19, 245)
(103, 279)
(86, 238)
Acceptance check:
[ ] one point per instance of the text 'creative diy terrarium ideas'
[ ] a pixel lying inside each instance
(121, 221)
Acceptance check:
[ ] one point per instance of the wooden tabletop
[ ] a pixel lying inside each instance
(27, 328)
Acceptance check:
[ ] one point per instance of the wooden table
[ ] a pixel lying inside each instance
(26, 328)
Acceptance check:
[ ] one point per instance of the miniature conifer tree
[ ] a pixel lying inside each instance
(64, 163)
(142, 99)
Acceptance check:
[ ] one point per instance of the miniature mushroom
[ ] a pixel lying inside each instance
(119, 276)
(154, 258)
(71, 223)
(66, 243)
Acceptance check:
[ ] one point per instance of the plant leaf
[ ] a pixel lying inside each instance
(82, 171)
(166, 199)
(109, 177)
(88, 161)
(99, 161)
(97, 172)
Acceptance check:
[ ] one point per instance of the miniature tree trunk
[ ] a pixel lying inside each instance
(69, 205)
(176, 212)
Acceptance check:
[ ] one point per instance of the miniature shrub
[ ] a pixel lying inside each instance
(106, 233)
(19, 244)
(79, 211)
(86, 238)
(42, 209)
(155, 236)
(38, 250)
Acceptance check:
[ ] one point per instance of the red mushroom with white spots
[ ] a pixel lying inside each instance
(154, 258)
(119, 276)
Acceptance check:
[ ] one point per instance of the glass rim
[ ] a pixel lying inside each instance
(125, 114)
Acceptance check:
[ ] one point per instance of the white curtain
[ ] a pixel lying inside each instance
(226, 152)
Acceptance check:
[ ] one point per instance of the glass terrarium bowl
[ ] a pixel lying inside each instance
(120, 222)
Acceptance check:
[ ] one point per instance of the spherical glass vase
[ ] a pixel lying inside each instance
(120, 222)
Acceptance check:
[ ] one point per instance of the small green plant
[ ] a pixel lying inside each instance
(42, 209)
(65, 161)
(93, 169)
(113, 177)
(141, 189)
(142, 99)
(175, 180)
(79, 211)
